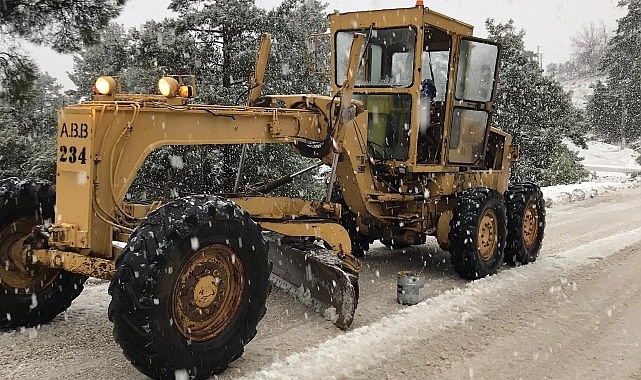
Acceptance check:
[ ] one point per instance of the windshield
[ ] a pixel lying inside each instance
(388, 126)
(388, 57)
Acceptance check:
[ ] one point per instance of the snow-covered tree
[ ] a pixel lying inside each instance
(108, 57)
(603, 111)
(588, 48)
(589, 45)
(621, 97)
(216, 41)
(537, 112)
(226, 32)
(289, 68)
(28, 133)
(64, 25)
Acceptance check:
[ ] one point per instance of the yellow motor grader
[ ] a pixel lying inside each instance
(407, 139)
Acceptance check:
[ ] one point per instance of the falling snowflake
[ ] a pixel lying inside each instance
(195, 243)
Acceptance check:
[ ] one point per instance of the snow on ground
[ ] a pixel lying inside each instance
(580, 88)
(334, 358)
(607, 156)
(612, 168)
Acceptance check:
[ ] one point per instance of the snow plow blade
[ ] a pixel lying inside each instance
(315, 276)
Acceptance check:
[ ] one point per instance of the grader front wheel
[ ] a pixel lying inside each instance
(190, 288)
(209, 288)
(29, 295)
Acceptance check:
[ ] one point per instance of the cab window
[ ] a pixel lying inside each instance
(434, 76)
(476, 71)
(388, 57)
(388, 126)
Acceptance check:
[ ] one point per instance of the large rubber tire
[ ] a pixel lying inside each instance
(525, 223)
(478, 232)
(190, 288)
(33, 297)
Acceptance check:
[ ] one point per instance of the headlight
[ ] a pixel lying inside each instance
(168, 86)
(105, 85)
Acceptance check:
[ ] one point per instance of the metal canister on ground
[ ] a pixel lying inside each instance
(409, 285)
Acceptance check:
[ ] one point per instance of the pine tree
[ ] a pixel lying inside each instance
(216, 42)
(537, 112)
(64, 25)
(109, 57)
(157, 50)
(28, 133)
(603, 113)
(226, 33)
(289, 69)
(622, 62)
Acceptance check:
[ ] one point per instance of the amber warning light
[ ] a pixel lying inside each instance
(170, 87)
(419, 3)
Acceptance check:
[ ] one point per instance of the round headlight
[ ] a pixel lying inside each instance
(168, 86)
(105, 85)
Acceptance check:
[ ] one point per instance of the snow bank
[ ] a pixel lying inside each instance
(335, 358)
(571, 193)
(612, 169)
(604, 156)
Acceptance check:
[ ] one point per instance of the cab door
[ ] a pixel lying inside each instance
(474, 91)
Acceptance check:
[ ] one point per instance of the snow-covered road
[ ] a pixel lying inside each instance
(359, 353)
(573, 311)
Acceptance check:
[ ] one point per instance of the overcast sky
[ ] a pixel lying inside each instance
(548, 24)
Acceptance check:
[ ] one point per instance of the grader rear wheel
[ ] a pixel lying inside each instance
(190, 288)
(29, 295)
(525, 223)
(478, 233)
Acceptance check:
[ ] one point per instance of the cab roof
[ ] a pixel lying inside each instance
(382, 18)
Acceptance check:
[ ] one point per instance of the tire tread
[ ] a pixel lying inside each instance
(18, 198)
(463, 229)
(132, 305)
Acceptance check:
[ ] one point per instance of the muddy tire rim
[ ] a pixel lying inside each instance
(13, 273)
(487, 235)
(530, 224)
(208, 292)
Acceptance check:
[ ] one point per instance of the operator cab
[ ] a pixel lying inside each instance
(426, 106)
